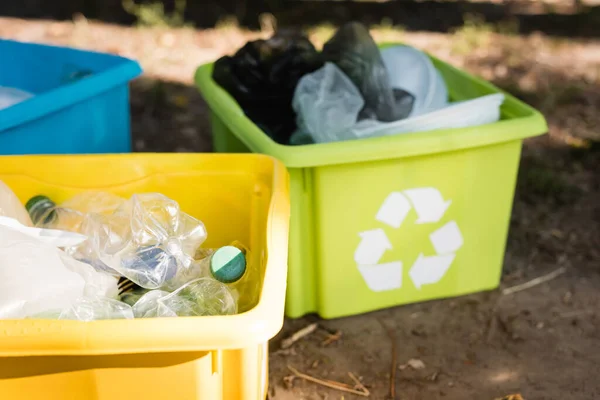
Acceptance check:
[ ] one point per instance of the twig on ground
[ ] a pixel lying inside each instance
(534, 282)
(359, 383)
(344, 387)
(394, 360)
(332, 338)
(285, 352)
(307, 330)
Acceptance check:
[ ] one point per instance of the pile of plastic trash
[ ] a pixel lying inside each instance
(350, 90)
(99, 256)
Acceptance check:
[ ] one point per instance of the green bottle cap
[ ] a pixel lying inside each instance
(228, 264)
(40, 209)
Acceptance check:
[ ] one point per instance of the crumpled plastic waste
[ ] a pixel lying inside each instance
(10, 206)
(80, 213)
(262, 77)
(327, 104)
(95, 308)
(200, 297)
(10, 96)
(148, 240)
(145, 242)
(355, 52)
(462, 114)
(48, 280)
(412, 70)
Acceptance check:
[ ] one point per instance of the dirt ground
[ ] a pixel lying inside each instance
(542, 342)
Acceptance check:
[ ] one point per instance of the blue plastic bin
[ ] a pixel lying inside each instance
(88, 115)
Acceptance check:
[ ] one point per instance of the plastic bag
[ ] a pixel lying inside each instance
(148, 240)
(412, 70)
(463, 114)
(262, 77)
(36, 277)
(10, 206)
(327, 104)
(354, 51)
(97, 308)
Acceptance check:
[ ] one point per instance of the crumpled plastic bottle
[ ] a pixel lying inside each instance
(148, 240)
(200, 297)
(262, 76)
(233, 265)
(355, 52)
(97, 308)
(81, 214)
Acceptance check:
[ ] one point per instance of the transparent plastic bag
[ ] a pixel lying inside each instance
(327, 104)
(148, 240)
(97, 308)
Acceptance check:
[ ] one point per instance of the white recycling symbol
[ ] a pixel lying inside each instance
(430, 207)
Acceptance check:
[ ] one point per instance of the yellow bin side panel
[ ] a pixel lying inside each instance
(228, 374)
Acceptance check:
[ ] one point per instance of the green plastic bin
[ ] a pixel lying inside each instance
(392, 220)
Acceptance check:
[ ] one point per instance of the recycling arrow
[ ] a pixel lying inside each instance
(447, 239)
(394, 209)
(382, 277)
(428, 203)
(428, 270)
(372, 246)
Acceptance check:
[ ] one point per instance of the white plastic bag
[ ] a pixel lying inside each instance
(38, 278)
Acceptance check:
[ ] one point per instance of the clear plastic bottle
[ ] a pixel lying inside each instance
(232, 265)
(79, 214)
(70, 215)
(11, 207)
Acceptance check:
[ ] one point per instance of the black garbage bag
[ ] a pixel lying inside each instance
(354, 51)
(262, 77)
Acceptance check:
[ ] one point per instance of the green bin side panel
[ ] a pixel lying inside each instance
(478, 185)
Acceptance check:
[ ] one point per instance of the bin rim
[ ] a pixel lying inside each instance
(380, 148)
(69, 94)
(31, 337)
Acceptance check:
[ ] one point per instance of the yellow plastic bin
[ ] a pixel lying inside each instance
(243, 197)
(391, 220)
